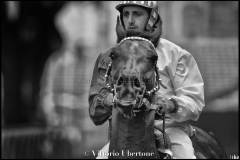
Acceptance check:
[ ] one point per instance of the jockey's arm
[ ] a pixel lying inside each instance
(189, 89)
(100, 98)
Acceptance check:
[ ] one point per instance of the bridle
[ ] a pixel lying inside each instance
(147, 93)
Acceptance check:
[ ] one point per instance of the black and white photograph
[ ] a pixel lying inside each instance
(119, 80)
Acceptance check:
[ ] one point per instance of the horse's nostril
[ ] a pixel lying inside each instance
(131, 81)
(136, 82)
(120, 81)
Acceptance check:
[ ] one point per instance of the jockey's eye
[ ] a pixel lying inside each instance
(138, 13)
(125, 14)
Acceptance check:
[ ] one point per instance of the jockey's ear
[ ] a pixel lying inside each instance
(120, 30)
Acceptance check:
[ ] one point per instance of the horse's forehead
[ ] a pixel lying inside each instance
(134, 45)
(134, 49)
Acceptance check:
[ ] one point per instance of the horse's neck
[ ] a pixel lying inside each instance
(132, 135)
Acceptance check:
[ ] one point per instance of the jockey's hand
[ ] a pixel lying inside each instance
(164, 104)
(108, 101)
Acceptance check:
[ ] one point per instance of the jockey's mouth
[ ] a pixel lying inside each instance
(132, 28)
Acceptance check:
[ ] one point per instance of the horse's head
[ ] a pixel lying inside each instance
(133, 72)
(132, 75)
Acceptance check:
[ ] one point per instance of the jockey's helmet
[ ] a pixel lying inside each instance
(152, 5)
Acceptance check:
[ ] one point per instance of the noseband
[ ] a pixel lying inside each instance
(147, 93)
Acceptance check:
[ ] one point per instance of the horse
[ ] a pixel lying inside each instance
(132, 76)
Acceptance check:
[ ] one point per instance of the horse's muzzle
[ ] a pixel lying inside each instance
(129, 94)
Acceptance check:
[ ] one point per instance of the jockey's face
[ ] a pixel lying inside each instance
(135, 18)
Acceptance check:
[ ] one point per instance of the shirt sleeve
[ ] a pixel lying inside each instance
(189, 89)
(99, 112)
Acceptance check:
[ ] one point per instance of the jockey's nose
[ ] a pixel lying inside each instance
(131, 20)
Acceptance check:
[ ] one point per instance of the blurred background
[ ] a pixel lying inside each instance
(48, 51)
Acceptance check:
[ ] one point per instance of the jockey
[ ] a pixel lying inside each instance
(182, 100)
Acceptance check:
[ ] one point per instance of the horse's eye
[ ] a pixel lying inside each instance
(153, 58)
(112, 55)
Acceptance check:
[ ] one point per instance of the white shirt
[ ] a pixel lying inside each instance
(179, 72)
